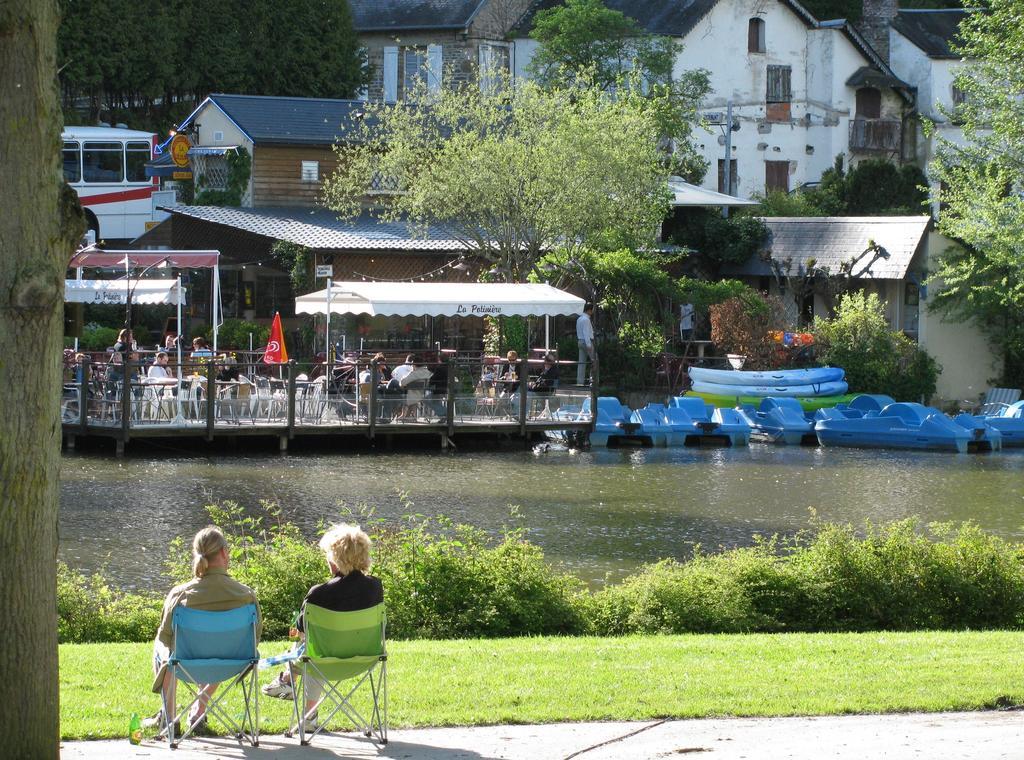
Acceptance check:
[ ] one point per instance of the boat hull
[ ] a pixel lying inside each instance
(832, 388)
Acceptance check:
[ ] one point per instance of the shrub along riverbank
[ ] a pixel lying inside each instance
(452, 581)
(549, 679)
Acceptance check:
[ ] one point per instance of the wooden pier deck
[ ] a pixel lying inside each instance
(290, 408)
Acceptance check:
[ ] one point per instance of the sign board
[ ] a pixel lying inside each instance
(180, 146)
(324, 270)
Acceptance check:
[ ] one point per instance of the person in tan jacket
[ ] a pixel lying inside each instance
(211, 589)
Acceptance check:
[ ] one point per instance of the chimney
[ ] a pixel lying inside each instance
(875, 23)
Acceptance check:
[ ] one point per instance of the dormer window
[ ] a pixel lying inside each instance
(755, 36)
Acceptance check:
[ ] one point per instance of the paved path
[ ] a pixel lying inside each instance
(942, 736)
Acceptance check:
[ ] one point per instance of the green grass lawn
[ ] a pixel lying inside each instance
(537, 680)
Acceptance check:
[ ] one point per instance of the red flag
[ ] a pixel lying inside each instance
(276, 352)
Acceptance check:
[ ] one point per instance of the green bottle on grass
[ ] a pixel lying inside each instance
(135, 729)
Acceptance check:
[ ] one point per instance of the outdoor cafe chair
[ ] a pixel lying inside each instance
(213, 647)
(341, 646)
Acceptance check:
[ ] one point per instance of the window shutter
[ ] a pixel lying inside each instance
(779, 89)
(435, 67)
(390, 74)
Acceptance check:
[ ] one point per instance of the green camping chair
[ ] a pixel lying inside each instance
(341, 646)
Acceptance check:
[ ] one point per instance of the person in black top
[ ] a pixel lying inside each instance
(347, 551)
(547, 380)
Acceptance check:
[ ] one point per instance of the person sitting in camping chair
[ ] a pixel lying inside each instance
(347, 551)
(211, 589)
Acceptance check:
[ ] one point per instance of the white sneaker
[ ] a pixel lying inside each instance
(278, 689)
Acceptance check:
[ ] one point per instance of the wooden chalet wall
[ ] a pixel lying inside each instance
(277, 174)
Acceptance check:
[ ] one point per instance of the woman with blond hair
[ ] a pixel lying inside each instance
(347, 551)
(211, 588)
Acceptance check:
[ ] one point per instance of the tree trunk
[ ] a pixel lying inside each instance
(39, 222)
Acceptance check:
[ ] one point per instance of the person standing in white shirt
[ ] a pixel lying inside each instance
(585, 339)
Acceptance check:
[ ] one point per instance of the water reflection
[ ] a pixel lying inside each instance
(599, 512)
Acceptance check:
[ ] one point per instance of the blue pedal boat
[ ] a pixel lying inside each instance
(779, 420)
(898, 425)
(1009, 422)
(983, 437)
(653, 424)
(694, 423)
(614, 426)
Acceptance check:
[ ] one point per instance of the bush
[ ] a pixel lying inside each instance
(742, 325)
(97, 338)
(88, 610)
(443, 580)
(234, 333)
(876, 358)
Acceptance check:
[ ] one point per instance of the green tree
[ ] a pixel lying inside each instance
(584, 41)
(113, 54)
(513, 173)
(982, 177)
(38, 230)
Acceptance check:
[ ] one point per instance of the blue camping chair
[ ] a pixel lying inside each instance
(211, 647)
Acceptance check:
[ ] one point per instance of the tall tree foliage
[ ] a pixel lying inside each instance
(983, 180)
(152, 60)
(513, 172)
(41, 220)
(583, 40)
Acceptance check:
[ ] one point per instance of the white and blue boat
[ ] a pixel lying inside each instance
(768, 378)
(779, 420)
(898, 425)
(693, 423)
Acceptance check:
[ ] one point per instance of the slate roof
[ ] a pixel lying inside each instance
(673, 18)
(931, 30)
(285, 121)
(387, 15)
(322, 229)
(833, 240)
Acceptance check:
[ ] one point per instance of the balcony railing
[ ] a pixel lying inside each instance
(875, 135)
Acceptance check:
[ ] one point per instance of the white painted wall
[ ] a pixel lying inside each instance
(822, 104)
(215, 129)
(968, 360)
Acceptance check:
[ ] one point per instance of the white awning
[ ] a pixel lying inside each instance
(441, 299)
(686, 194)
(116, 291)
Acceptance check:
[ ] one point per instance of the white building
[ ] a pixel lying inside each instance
(802, 91)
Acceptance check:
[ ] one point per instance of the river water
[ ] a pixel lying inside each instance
(600, 513)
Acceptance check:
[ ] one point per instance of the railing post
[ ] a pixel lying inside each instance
(449, 402)
(291, 398)
(523, 374)
(371, 406)
(83, 395)
(594, 380)
(211, 397)
(126, 395)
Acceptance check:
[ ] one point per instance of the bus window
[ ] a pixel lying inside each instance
(136, 155)
(103, 161)
(72, 162)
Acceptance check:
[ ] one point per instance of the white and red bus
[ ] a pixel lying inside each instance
(107, 168)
